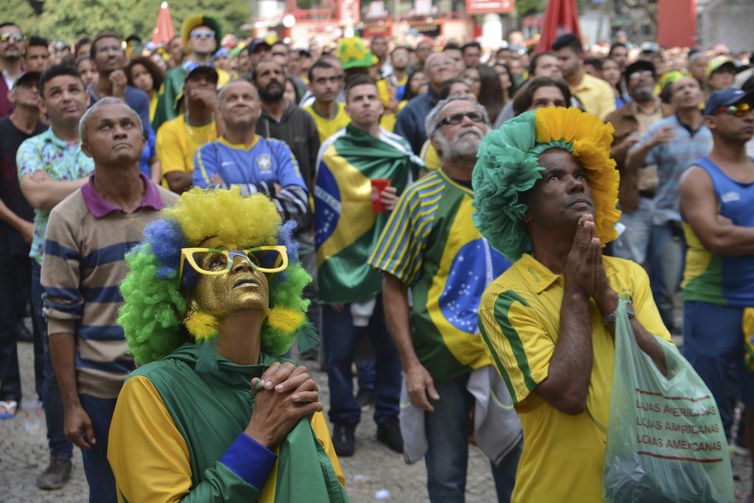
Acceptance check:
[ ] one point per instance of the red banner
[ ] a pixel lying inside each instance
(676, 23)
(490, 6)
(561, 16)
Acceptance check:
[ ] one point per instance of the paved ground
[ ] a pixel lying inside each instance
(375, 473)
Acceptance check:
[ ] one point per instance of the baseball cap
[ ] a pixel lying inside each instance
(717, 63)
(256, 44)
(27, 78)
(727, 97)
(639, 66)
(353, 53)
(203, 70)
(649, 47)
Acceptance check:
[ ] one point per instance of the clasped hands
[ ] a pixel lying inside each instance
(282, 396)
(584, 270)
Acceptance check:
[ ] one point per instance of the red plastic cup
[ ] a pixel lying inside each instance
(380, 184)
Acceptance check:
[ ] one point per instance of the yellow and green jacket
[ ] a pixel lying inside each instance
(178, 435)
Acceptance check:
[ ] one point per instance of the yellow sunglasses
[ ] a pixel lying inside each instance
(216, 261)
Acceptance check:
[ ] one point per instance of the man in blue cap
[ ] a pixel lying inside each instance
(717, 194)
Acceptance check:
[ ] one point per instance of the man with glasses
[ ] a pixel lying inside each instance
(672, 144)
(637, 186)
(431, 247)
(410, 121)
(201, 36)
(717, 194)
(110, 61)
(11, 55)
(245, 159)
(87, 238)
(326, 82)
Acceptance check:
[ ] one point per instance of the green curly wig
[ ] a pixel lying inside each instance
(155, 307)
(508, 165)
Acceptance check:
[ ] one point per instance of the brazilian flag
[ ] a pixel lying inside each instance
(346, 227)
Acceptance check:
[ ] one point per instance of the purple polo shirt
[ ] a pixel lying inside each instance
(100, 207)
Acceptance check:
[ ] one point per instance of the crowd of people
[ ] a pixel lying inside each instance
(445, 228)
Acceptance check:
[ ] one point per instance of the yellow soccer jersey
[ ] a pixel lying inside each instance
(563, 458)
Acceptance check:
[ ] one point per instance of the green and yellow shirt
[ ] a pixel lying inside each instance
(431, 245)
(520, 321)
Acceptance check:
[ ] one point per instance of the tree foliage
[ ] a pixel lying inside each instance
(70, 19)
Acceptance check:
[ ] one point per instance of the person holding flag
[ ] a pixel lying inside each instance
(360, 171)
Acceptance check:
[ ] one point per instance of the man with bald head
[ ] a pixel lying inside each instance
(256, 164)
(410, 122)
(88, 235)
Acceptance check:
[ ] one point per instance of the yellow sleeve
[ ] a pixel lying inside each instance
(516, 340)
(645, 308)
(319, 426)
(169, 149)
(606, 101)
(148, 456)
(429, 156)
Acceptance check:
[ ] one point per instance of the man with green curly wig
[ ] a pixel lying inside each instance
(545, 193)
(214, 413)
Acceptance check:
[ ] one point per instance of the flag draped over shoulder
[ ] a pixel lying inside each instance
(345, 226)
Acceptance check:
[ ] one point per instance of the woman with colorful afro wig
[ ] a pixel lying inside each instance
(546, 195)
(215, 413)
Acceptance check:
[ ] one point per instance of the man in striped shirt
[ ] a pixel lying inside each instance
(431, 247)
(88, 235)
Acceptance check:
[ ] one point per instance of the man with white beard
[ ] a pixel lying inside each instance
(431, 247)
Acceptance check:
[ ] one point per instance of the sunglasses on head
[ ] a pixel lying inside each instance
(202, 34)
(457, 118)
(17, 37)
(739, 110)
(216, 261)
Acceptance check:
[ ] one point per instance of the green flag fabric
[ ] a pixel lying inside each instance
(346, 227)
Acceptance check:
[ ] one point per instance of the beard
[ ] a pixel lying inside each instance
(465, 146)
(643, 94)
(272, 92)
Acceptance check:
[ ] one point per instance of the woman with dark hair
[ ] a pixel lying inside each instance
(291, 91)
(507, 80)
(492, 95)
(142, 73)
(613, 75)
(541, 92)
(417, 84)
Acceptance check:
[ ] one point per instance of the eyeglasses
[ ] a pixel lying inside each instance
(202, 34)
(454, 119)
(16, 37)
(216, 261)
(740, 110)
(640, 74)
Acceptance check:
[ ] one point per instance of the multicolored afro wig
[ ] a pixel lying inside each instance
(153, 316)
(508, 165)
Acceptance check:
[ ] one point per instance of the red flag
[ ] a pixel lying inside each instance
(163, 30)
(561, 16)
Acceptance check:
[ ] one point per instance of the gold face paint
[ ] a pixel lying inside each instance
(242, 288)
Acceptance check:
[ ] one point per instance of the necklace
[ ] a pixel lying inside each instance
(191, 128)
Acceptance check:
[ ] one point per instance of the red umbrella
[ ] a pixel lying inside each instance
(561, 16)
(163, 30)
